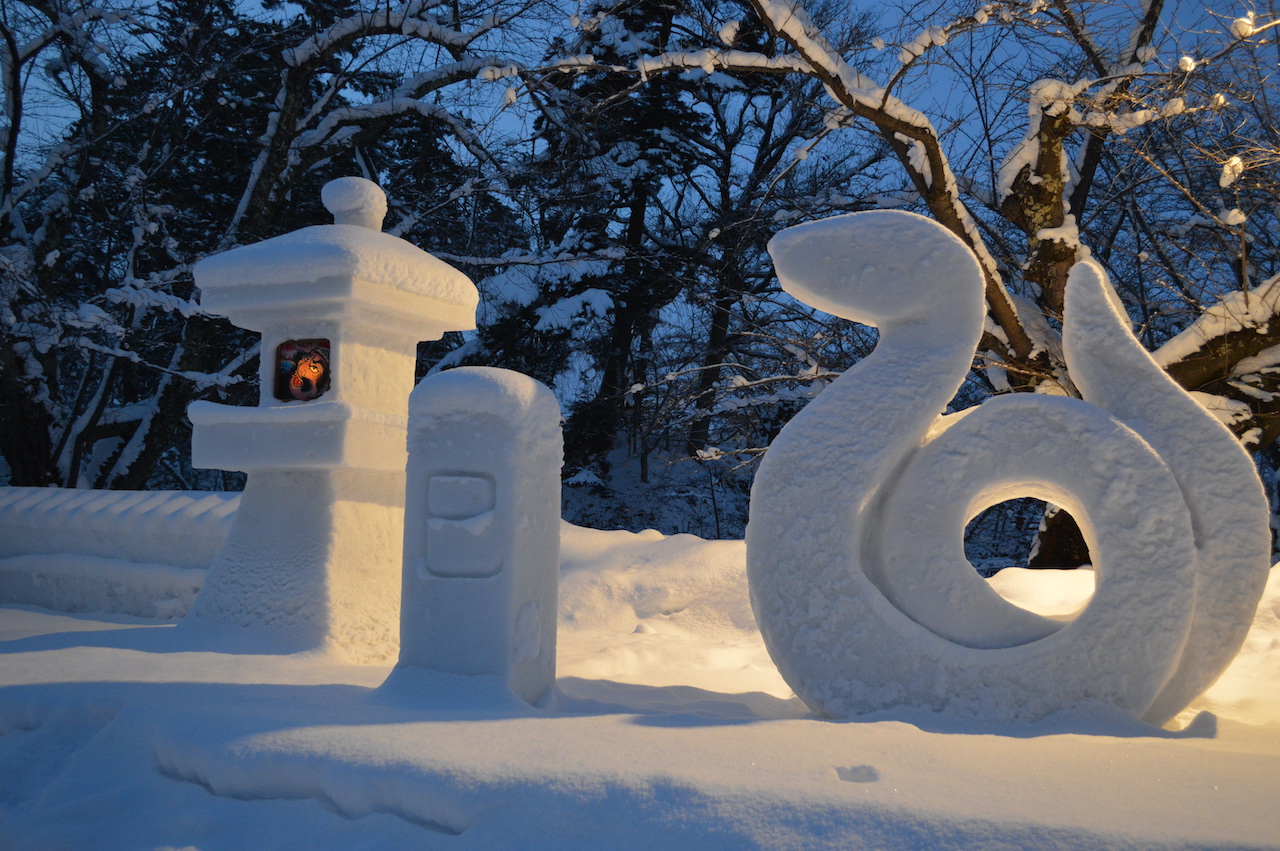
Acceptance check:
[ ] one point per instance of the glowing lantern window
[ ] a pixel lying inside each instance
(302, 370)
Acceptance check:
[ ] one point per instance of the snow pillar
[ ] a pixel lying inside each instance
(312, 558)
(482, 528)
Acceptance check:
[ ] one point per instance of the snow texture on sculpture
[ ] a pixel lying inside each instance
(482, 528)
(855, 543)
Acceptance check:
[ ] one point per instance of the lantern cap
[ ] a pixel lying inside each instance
(348, 261)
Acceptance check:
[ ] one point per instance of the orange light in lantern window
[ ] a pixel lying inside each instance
(302, 370)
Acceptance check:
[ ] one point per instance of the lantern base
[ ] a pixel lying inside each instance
(312, 562)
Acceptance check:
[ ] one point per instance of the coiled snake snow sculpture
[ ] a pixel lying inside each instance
(855, 551)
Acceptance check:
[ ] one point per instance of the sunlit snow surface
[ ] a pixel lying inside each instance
(670, 728)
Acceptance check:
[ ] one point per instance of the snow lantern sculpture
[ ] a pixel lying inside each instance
(482, 528)
(855, 552)
(313, 557)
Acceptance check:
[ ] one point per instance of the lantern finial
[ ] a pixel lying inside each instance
(355, 201)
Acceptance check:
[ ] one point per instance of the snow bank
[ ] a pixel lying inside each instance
(1249, 689)
(1054, 593)
(635, 610)
(140, 553)
(646, 609)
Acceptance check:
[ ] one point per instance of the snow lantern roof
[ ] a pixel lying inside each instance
(350, 261)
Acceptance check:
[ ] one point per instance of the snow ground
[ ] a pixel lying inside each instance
(669, 726)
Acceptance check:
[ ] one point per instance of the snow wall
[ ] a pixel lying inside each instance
(138, 553)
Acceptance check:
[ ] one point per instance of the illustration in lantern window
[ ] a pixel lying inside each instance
(302, 369)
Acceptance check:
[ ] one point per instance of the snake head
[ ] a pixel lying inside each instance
(854, 267)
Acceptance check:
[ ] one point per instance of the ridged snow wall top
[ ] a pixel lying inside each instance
(332, 270)
(179, 528)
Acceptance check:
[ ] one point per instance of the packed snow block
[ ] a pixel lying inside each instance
(312, 561)
(482, 528)
(179, 528)
(855, 554)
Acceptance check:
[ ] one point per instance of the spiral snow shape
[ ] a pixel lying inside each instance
(855, 552)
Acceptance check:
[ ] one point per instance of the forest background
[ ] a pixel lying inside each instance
(609, 175)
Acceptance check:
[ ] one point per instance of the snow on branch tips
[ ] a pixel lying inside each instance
(1232, 169)
(1244, 27)
(148, 299)
(404, 20)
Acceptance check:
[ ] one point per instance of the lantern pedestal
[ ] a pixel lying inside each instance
(292, 573)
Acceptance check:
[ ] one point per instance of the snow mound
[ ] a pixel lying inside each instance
(645, 608)
(1052, 593)
(1249, 689)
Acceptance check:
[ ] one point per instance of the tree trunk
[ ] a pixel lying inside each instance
(25, 434)
(717, 340)
(1059, 544)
